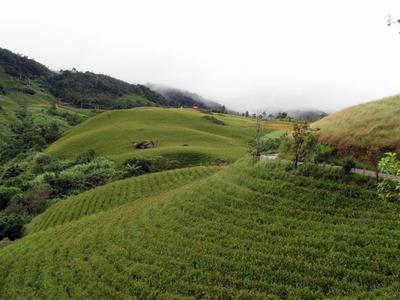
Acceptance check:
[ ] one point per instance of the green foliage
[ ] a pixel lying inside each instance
(6, 193)
(34, 201)
(80, 177)
(281, 115)
(389, 189)
(11, 226)
(137, 165)
(300, 133)
(322, 153)
(348, 163)
(20, 66)
(89, 90)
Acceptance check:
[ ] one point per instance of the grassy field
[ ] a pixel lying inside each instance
(181, 134)
(244, 232)
(374, 123)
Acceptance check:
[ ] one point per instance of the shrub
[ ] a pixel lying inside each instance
(138, 165)
(6, 193)
(11, 226)
(322, 153)
(33, 202)
(86, 157)
(389, 190)
(348, 164)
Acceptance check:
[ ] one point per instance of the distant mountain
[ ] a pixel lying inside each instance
(298, 114)
(306, 114)
(177, 97)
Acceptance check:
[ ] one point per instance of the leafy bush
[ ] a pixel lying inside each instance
(137, 165)
(11, 226)
(389, 189)
(2, 91)
(6, 193)
(322, 153)
(33, 202)
(86, 157)
(348, 164)
(80, 177)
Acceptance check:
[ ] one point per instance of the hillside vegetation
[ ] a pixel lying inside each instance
(184, 135)
(89, 90)
(249, 232)
(356, 128)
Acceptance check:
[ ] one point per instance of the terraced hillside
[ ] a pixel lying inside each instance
(374, 123)
(181, 134)
(248, 232)
(115, 194)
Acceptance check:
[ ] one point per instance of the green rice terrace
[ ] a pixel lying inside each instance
(186, 135)
(244, 231)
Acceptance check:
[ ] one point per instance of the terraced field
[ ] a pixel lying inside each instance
(246, 232)
(115, 194)
(180, 134)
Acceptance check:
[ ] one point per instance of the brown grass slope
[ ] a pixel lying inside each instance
(374, 123)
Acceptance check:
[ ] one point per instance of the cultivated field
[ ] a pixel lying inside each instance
(181, 134)
(247, 232)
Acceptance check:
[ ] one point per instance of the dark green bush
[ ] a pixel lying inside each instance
(86, 157)
(11, 226)
(348, 164)
(6, 194)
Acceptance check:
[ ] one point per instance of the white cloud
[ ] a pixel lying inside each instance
(247, 54)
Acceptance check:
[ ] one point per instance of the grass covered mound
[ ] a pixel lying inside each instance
(250, 232)
(181, 134)
(375, 123)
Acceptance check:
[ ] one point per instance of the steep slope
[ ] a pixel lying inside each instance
(249, 232)
(374, 123)
(181, 134)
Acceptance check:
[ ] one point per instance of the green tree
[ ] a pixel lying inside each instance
(6, 194)
(300, 133)
(11, 226)
(389, 189)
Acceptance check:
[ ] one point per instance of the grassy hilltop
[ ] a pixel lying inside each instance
(182, 134)
(249, 232)
(374, 123)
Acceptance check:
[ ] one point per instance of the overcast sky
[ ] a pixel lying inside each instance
(246, 54)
